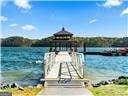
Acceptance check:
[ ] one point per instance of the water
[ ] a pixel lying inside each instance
(24, 65)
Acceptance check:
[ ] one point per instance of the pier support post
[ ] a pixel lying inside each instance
(84, 47)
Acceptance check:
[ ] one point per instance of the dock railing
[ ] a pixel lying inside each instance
(78, 63)
(48, 62)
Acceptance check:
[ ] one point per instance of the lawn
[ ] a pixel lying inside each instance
(110, 90)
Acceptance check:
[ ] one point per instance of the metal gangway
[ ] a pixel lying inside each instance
(64, 68)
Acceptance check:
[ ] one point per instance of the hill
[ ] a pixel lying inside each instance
(45, 42)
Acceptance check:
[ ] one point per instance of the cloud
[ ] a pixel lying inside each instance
(112, 3)
(13, 25)
(3, 18)
(125, 11)
(28, 28)
(99, 5)
(93, 21)
(24, 4)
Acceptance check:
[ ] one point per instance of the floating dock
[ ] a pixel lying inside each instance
(116, 52)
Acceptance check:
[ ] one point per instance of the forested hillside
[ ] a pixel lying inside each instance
(45, 42)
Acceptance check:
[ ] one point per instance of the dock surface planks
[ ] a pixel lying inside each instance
(63, 78)
(67, 69)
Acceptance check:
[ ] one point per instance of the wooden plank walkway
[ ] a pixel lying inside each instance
(63, 78)
(67, 69)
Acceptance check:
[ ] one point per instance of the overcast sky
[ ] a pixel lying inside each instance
(39, 19)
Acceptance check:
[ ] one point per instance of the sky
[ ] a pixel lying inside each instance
(39, 19)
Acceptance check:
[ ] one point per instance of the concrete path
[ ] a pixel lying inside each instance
(65, 91)
(73, 88)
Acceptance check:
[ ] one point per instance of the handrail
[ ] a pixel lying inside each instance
(59, 74)
(77, 63)
(69, 70)
(49, 61)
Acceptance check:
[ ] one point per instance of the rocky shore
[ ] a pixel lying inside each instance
(122, 80)
(14, 89)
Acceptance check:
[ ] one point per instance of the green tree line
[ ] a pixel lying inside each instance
(45, 42)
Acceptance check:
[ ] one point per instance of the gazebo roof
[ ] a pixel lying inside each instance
(63, 32)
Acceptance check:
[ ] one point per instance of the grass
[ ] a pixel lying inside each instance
(26, 92)
(106, 90)
(110, 90)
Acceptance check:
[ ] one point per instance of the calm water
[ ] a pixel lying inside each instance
(24, 65)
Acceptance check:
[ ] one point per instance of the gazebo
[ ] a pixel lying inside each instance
(63, 41)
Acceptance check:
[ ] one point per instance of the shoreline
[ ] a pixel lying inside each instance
(97, 89)
(118, 80)
(121, 80)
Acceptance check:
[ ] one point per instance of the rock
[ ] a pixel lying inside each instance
(20, 88)
(8, 85)
(114, 81)
(96, 85)
(14, 85)
(30, 86)
(88, 84)
(123, 77)
(41, 80)
(104, 83)
(110, 82)
(4, 86)
(122, 82)
(39, 85)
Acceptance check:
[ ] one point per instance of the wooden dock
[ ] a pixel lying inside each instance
(64, 74)
(64, 66)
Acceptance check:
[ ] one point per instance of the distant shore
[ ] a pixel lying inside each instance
(17, 41)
